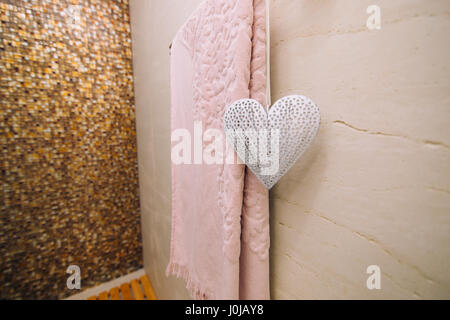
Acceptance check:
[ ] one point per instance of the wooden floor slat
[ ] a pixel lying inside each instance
(148, 290)
(103, 296)
(114, 293)
(136, 289)
(125, 289)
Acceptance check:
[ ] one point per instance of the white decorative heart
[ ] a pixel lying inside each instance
(269, 143)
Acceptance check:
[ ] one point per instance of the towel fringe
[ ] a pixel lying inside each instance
(195, 289)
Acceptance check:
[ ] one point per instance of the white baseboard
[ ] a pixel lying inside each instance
(106, 286)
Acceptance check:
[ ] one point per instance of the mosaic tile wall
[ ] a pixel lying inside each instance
(69, 181)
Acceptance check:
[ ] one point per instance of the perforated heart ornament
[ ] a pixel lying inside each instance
(270, 142)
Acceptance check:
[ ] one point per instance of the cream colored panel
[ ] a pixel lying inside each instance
(153, 25)
(374, 188)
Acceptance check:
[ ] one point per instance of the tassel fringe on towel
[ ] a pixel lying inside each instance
(195, 289)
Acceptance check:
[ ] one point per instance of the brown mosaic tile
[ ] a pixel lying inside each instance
(69, 191)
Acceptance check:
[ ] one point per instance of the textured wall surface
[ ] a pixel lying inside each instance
(374, 187)
(153, 24)
(69, 191)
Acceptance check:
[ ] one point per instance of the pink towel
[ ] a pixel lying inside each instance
(217, 57)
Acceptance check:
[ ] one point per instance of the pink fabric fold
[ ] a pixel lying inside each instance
(220, 212)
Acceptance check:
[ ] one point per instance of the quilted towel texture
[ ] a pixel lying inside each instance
(220, 212)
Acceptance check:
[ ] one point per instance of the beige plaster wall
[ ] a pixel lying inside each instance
(374, 188)
(154, 23)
